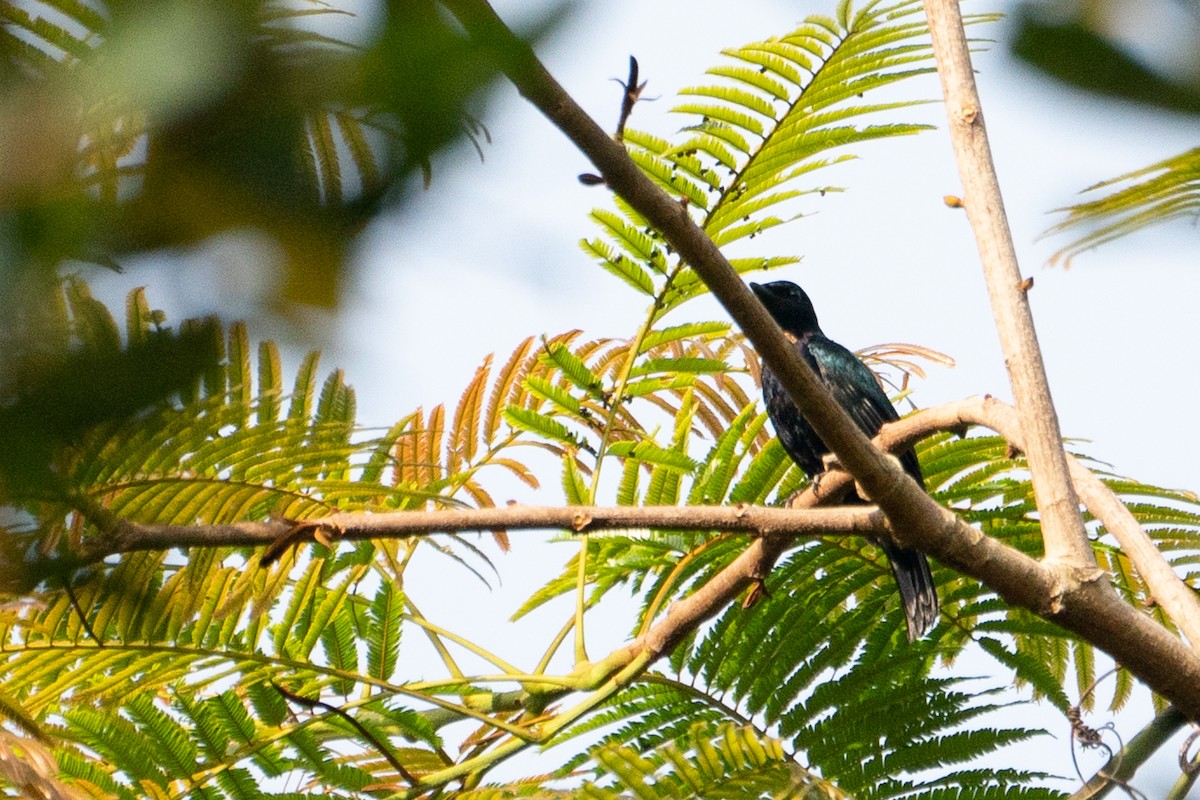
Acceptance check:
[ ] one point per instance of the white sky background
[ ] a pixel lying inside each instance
(489, 255)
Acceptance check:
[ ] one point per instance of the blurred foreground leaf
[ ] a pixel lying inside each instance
(125, 131)
(1073, 49)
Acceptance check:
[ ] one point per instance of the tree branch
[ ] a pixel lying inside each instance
(127, 536)
(1058, 506)
(1089, 608)
(1176, 598)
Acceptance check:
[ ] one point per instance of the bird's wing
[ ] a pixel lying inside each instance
(795, 434)
(857, 390)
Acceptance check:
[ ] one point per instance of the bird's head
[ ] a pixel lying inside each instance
(789, 305)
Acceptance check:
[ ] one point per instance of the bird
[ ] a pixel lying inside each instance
(857, 391)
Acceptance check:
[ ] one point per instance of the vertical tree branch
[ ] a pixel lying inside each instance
(1062, 526)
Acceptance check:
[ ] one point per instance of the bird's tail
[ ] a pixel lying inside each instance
(916, 588)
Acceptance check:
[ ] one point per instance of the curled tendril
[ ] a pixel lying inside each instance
(1189, 764)
(1093, 738)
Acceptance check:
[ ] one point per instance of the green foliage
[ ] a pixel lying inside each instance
(780, 111)
(1131, 202)
(160, 671)
(831, 609)
(707, 761)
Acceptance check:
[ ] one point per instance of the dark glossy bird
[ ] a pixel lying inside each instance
(857, 391)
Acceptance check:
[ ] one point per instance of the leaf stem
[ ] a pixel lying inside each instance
(554, 645)
(437, 633)
(435, 637)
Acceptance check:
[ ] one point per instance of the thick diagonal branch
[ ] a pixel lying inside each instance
(1058, 506)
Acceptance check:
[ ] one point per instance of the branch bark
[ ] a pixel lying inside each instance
(127, 536)
(1176, 598)
(1058, 506)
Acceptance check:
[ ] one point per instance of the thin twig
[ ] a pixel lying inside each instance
(1121, 768)
(633, 92)
(382, 748)
(1190, 766)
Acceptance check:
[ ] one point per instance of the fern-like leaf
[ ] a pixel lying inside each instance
(1167, 190)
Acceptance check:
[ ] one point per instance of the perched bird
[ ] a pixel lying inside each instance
(857, 391)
